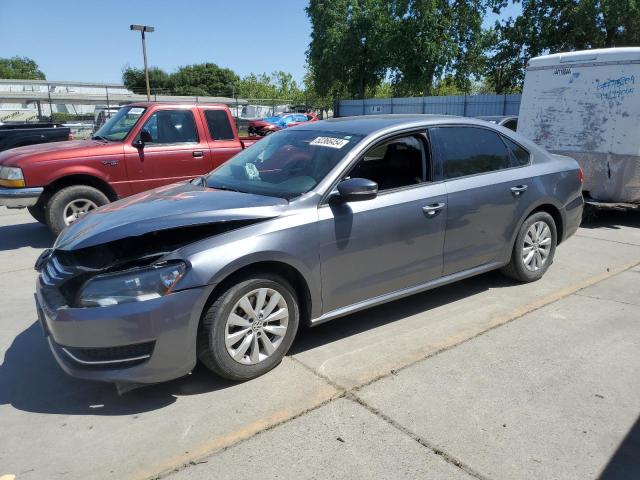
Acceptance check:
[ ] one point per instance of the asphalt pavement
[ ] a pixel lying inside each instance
(483, 379)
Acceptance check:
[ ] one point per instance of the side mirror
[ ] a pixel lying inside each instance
(357, 189)
(144, 138)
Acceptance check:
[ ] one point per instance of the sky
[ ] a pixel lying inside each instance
(90, 40)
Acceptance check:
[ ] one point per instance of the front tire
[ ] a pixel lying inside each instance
(37, 212)
(249, 327)
(534, 248)
(70, 203)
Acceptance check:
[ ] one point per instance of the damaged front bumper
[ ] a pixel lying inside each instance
(139, 342)
(19, 197)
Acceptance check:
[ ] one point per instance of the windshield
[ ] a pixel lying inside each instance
(285, 164)
(119, 126)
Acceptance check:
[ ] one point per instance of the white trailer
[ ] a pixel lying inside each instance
(587, 105)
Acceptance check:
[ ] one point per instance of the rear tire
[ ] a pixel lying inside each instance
(534, 248)
(227, 330)
(63, 203)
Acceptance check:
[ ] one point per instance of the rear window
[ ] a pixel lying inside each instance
(470, 150)
(519, 156)
(219, 126)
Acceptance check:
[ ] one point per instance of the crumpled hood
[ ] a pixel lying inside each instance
(173, 206)
(21, 156)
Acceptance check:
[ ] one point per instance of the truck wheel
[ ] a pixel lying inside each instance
(249, 327)
(37, 212)
(70, 203)
(534, 248)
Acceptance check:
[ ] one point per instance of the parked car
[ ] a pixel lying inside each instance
(310, 224)
(507, 121)
(267, 126)
(14, 135)
(585, 105)
(144, 145)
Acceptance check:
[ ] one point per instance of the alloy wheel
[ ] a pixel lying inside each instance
(537, 246)
(256, 326)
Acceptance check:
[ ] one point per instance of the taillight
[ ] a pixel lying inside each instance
(70, 136)
(580, 175)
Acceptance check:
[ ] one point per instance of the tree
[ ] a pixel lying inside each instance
(549, 26)
(278, 84)
(204, 79)
(434, 37)
(20, 68)
(356, 45)
(348, 49)
(159, 80)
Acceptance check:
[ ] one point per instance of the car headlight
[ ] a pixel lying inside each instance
(11, 177)
(136, 285)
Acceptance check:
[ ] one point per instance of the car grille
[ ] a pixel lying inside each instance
(110, 357)
(54, 273)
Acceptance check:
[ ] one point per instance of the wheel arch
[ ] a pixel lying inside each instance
(555, 213)
(295, 278)
(81, 179)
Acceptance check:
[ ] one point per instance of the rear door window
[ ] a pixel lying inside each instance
(469, 151)
(219, 125)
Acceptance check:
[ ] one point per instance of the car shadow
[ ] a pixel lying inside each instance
(34, 234)
(613, 220)
(354, 324)
(625, 462)
(32, 381)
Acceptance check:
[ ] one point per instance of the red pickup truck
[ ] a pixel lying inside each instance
(143, 146)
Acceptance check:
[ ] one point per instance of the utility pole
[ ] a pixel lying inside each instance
(142, 29)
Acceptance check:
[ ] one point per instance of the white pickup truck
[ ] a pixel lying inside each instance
(586, 105)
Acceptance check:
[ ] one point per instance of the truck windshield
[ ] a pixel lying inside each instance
(119, 126)
(285, 164)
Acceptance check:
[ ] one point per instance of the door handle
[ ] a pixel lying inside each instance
(518, 190)
(198, 154)
(433, 209)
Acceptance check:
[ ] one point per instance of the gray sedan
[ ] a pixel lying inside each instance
(310, 224)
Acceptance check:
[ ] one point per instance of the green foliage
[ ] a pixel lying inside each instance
(550, 26)
(358, 44)
(348, 50)
(133, 79)
(206, 79)
(277, 85)
(20, 68)
(63, 117)
(431, 38)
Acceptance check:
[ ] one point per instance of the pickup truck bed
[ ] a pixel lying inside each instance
(21, 134)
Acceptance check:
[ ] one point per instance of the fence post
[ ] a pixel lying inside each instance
(464, 108)
(363, 111)
(504, 104)
(50, 104)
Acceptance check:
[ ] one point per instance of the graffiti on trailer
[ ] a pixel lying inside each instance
(616, 88)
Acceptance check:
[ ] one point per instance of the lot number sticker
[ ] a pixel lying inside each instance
(329, 142)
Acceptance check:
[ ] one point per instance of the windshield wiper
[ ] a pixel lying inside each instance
(100, 137)
(226, 188)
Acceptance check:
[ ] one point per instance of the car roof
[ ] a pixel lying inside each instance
(369, 124)
(495, 117)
